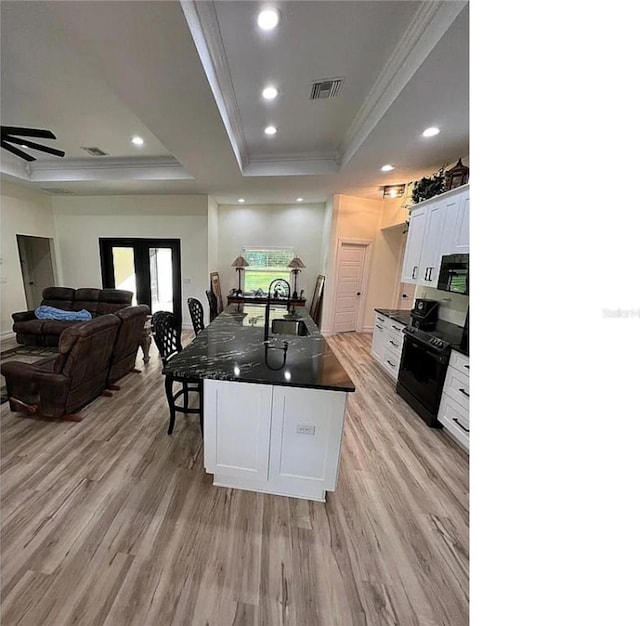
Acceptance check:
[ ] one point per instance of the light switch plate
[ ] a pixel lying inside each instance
(305, 429)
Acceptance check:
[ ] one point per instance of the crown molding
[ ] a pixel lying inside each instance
(430, 22)
(291, 167)
(203, 24)
(107, 168)
(11, 165)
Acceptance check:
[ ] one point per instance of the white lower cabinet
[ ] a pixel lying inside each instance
(273, 439)
(455, 420)
(379, 337)
(453, 413)
(386, 345)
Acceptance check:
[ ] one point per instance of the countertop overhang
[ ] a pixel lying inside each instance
(232, 348)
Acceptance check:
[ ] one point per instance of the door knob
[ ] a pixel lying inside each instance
(357, 293)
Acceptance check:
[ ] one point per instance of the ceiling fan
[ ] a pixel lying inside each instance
(13, 135)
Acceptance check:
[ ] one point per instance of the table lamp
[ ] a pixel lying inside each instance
(296, 265)
(240, 263)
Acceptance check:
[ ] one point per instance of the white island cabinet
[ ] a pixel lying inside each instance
(273, 439)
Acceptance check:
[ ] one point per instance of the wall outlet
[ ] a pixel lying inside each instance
(305, 429)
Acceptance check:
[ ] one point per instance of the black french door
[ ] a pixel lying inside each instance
(148, 267)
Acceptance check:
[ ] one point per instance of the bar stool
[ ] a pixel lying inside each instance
(166, 334)
(197, 314)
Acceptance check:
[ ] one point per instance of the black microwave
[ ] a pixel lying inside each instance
(454, 274)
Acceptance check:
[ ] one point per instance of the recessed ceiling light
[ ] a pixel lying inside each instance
(387, 168)
(430, 132)
(268, 19)
(299, 199)
(240, 200)
(269, 93)
(138, 141)
(270, 130)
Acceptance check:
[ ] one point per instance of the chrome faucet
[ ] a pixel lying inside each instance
(281, 288)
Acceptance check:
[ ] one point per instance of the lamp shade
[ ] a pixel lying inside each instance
(296, 264)
(240, 262)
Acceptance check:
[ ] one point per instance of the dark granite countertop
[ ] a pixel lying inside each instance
(232, 348)
(402, 316)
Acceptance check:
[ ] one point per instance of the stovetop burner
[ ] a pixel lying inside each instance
(439, 339)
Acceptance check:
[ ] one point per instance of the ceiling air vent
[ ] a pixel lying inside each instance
(327, 88)
(93, 151)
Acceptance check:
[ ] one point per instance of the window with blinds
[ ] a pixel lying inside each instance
(265, 265)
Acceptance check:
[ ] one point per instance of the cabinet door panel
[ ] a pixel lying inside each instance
(306, 433)
(411, 262)
(237, 421)
(379, 338)
(461, 238)
(431, 246)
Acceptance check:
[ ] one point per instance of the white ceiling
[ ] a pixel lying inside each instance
(187, 77)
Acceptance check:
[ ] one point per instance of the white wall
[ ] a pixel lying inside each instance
(298, 226)
(24, 212)
(361, 218)
(453, 306)
(213, 235)
(81, 220)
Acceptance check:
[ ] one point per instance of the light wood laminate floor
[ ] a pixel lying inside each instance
(112, 521)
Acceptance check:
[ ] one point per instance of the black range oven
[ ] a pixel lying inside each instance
(423, 367)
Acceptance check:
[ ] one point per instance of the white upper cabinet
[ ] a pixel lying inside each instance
(461, 233)
(437, 227)
(411, 263)
(432, 245)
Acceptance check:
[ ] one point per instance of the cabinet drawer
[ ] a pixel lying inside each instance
(395, 327)
(459, 361)
(455, 420)
(395, 341)
(391, 362)
(456, 385)
(381, 321)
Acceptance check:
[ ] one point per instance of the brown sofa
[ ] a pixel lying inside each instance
(57, 388)
(127, 342)
(32, 331)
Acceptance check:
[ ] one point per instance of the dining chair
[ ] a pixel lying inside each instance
(197, 314)
(166, 334)
(213, 305)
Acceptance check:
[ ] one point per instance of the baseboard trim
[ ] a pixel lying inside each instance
(367, 329)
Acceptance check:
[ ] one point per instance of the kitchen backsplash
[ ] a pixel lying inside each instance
(453, 306)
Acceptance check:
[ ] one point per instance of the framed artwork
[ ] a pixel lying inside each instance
(316, 301)
(214, 279)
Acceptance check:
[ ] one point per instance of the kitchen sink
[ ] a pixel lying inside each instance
(289, 327)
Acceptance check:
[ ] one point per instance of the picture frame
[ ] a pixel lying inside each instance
(316, 300)
(216, 290)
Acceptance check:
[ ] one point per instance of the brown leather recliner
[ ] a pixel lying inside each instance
(127, 342)
(59, 387)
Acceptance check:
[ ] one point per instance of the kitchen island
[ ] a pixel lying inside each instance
(273, 411)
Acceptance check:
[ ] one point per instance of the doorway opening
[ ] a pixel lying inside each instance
(150, 268)
(36, 265)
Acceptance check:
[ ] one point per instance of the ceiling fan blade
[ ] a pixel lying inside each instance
(25, 143)
(40, 133)
(10, 148)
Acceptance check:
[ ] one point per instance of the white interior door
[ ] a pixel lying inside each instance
(349, 295)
